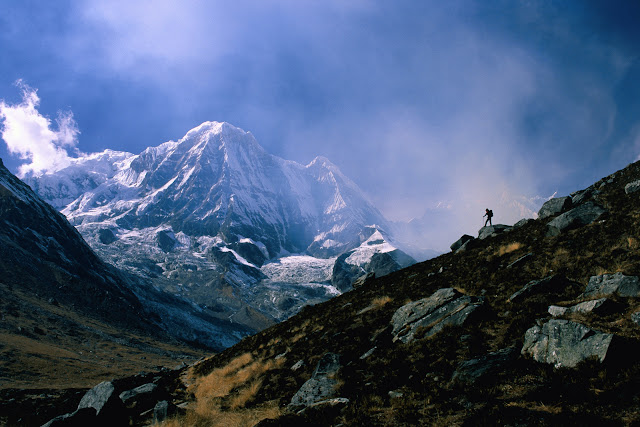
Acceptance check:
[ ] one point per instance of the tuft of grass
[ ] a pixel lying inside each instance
(224, 396)
(508, 248)
(381, 301)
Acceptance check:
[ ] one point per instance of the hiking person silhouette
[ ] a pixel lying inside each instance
(488, 214)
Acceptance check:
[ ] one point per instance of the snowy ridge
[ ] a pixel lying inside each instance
(215, 220)
(217, 177)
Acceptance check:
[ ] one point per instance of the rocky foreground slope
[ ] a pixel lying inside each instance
(534, 324)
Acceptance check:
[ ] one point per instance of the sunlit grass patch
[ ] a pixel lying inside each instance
(508, 248)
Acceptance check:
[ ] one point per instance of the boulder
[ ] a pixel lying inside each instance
(461, 241)
(563, 343)
(322, 384)
(632, 187)
(582, 196)
(613, 284)
(523, 222)
(492, 231)
(143, 397)
(554, 285)
(445, 307)
(100, 398)
(597, 306)
(582, 215)
(164, 410)
(473, 370)
(554, 207)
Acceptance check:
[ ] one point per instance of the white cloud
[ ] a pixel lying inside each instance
(29, 135)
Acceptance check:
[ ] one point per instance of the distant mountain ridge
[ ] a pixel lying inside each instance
(216, 179)
(216, 220)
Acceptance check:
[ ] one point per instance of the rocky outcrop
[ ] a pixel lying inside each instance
(597, 306)
(445, 307)
(322, 384)
(632, 187)
(118, 401)
(492, 231)
(461, 242)
(583, 215)
(553, 285)
(473, 370)
(613, 284)
(554, 207)
(563, 343)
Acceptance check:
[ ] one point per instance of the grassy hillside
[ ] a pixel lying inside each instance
(370, 378)
(411, 384)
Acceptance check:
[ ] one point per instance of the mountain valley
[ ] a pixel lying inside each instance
(531, 324)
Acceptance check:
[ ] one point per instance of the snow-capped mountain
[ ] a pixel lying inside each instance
(217, 220)
(216, 180)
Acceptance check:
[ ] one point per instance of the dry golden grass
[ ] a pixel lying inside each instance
(381, 301)
(507, 249)
(222, 395)
(376, 303)
(219, 418)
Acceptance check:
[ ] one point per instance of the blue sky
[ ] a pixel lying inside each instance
(424, 104)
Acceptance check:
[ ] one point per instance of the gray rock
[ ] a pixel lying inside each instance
(445, 307)
(395, 394)
(461, 241)
(164, 410)
(563, 343)
(322, 384)
(613, 284)
(299, 364)
(582, 215)
(553, 285)
(582, 196)
(632, 187)
(597, 306)
(142, 397)
(473, 370)
(98, 397)
(557, 311)
(81, 417)
(522, 260)
(523, 222)
(554, 206)
(635, 317)
(469, 244)
(368, 353)
(492, 231)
